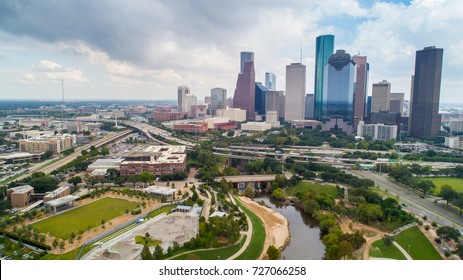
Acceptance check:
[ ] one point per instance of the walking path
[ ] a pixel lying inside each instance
(248, 234)
(402, 250)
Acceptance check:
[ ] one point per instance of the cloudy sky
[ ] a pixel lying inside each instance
(145, 49)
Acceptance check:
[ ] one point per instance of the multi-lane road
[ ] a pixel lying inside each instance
(413, 202)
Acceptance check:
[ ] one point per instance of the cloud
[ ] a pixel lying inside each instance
(47, 72)
(154, 46)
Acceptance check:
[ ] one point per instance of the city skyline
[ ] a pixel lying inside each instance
(98, 59)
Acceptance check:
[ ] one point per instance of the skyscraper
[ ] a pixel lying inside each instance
(426, 92)
(381, 96)
(245, 57)
(324, 49)
(261, 93)
(309, 106)
(182, 91)
(274, 101)
(218, 99)
(396, 104)
(270, 81)
(338, 89)
(361, 88)
(244, 97)
(295, 92)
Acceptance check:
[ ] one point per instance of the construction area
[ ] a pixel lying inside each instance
(179, 227)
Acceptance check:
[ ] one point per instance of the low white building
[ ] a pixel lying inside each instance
(456, 125)
(256, 126)
(272, 118)
(233, 114)
(377, 131)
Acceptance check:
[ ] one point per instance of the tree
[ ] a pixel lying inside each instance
(61, 245)
(104, 151)
(279, 194)
(146, 177)
(426, 186)
(112, 174)
(146, 253)
(75, 180)
(388, 240)
(345, 249)
(459, 250)
(448, 233)
(158, 252)
(55, 243)
(273, 253)
(249, 191)
(448, 193)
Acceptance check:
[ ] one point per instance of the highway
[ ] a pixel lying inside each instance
(414, 203)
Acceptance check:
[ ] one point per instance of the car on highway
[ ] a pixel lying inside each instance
(404, 205)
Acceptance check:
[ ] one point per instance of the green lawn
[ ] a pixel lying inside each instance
(379, 250)
(151, 242)
(256, 245)
(456, 183)
(164, 209)
(71, 255)
(311, 187)
(84, 217)
(420, 247)
(220, 254)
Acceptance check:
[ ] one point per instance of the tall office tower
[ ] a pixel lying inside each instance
(270, 81)
(309, 106)
(324, 49)
(261, 92)
(218, 99)
(182, 91)
(412, 81)
(338, 90)
(245, 57)
(295, 92)
(230, 102)
(381, 96)
(274, 101)
(396, 104)
(361, 88)
(244, 97)
(426, 92)
(207, 100)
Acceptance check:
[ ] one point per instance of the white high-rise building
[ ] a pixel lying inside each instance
(295, 92)
(381, 97)
(181, 93)
(270, 81)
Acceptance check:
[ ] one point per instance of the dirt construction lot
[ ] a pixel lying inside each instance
(179, 227)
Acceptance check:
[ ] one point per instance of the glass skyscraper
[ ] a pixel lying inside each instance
(339, 86)
(244, 97)
(261, 93)
(324, 49)
(270, 81)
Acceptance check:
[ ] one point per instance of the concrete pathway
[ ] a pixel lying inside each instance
(248, 235)
(407, 256)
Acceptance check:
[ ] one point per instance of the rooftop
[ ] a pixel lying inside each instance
(22, 189)
(159, 190)
(61, 201)
(166, 149)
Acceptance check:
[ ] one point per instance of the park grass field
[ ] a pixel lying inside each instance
(417, 245)
(456, 183)
(256, 245)
(215, 254)
(84, 217)
(311, 187)
(379, 250)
